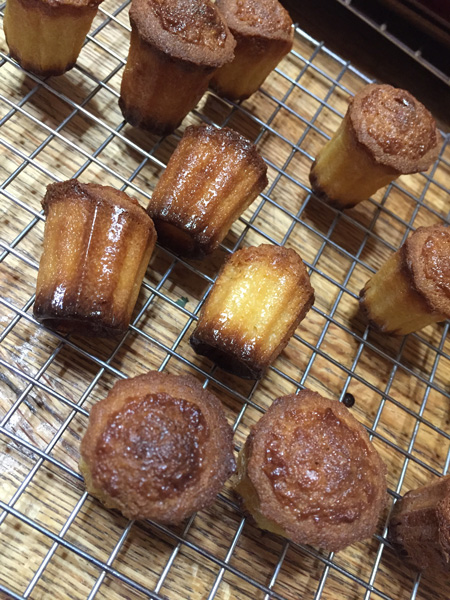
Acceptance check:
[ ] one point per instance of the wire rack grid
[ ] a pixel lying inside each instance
(58, 542)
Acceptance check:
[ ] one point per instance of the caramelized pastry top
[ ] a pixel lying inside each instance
(159, 446)
(427, 259)
(266, 18)
(395, 128)
(190, 30)
(315, 471)
(65, 5)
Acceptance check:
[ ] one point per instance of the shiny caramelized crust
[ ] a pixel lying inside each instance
(97, 245)
(264, 33)
(420, 526)
(253, 309)
(175, 47)
(412, 289)
(157, 447)
(33, 32)
(212, 177)
(309, 472)
(385, 133)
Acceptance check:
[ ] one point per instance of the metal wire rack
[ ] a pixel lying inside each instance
(58, 542)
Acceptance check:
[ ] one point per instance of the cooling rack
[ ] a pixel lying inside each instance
(58, 542)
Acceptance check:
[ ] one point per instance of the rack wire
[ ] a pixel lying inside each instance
(58, 542)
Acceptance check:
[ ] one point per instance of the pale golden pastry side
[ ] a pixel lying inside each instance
(175, 47)
(97, 245)
(211, 178)
(46, 36)
(257, 302)
(157, 447)
(309, 472)
(386, 132)
(264, 34)
(412, 289)
(419, 527)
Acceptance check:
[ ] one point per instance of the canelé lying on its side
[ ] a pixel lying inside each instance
(212, 177)
(264, 34)
(46, 36)
(385, 133)
(259, 298)
(175, 47)
(420, 526)
(309, 472)
(412, 289)
(157, 447)
(97, 245)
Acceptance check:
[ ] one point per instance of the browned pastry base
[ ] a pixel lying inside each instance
(97, 245)
(253, 309)
(33, 33)
(175, 47)
(157, 447)
(308, 471)
(385, 133)
(412, 289)
(420, 526)
(212, 177)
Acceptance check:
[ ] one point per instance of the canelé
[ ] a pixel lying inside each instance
(412, 289)
(386, 132)
(259, 298)
(264, 34)
(309, 472)
(175, 47)
(46, 36)
(157, 447)
(212, 177)
(97, 244)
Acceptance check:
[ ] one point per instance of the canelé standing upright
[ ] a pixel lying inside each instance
(175, 47)
(97, 245)
(212, 177)
(386, 132)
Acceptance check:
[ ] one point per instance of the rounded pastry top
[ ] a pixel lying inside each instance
(316, 472)
(395, 128)
(158, 446)
(98, 194)
(65, 5)
(427, 259)
(262, 18)
(190, 30)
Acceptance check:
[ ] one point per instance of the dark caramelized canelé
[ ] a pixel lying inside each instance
(97, 245)
(309, 472)
(46, 36)
(412, 289)
(253, 309)
(264, 34)
(420, 526)
(157, 447)
(175, 47)
(385, 133)
(212, 177)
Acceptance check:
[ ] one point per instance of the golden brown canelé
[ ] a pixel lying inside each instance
(412, 289)
(309, 472)
(46, 36)
(420, 526)
(212, 177)
(385, 133)
(157, 447)
(264, 34)
(97, 245)
(176, 45)
(259, 298)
